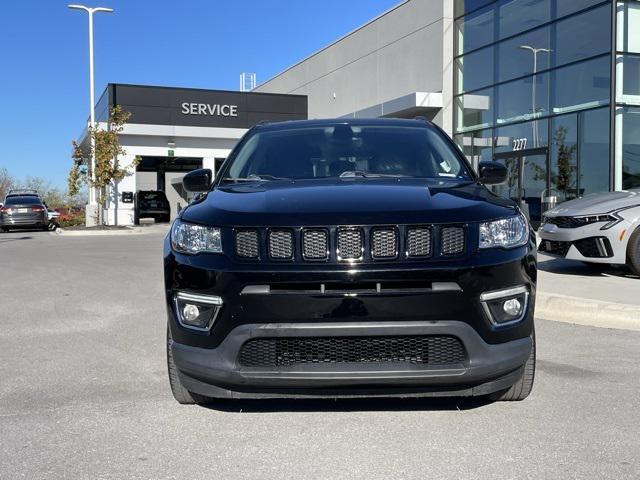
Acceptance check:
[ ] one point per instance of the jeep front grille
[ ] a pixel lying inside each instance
(350, 243)
(247, 245)
(363, 244)
(281, 244)
(425, 350)
(419, 241)
(384, 243)
(452, 240)
(315, 245)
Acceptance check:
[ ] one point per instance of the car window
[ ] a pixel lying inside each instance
(330, 151)
(22, 200)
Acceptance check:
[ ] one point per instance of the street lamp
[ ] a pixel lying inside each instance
(535, 52)
(91, 11)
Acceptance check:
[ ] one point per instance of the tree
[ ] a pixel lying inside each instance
(565, 178)
(6, 183)
(106, 151)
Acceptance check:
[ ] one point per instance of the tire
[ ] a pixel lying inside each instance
(633, 252)
(181, 394)
(522, 388)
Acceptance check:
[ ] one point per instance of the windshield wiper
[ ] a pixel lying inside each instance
(254, 178)
(360, 173)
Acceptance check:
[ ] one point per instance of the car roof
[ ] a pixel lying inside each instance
(329, 122)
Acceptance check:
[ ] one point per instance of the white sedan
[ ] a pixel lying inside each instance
(598, 228)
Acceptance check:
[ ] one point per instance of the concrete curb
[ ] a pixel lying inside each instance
(99, 233)
(583, 311)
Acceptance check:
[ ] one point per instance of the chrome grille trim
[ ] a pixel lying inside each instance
(452, 240)
(281, 244)
(247, 245)
(315, 244)
(418, 242)
(384, 243)
(350, 244)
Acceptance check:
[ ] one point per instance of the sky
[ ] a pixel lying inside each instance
(44, 77)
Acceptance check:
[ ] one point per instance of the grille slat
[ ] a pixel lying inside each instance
(350, 244)
(281, 244)
(452, 239)
(247, 245)
(430, 350)
(419, 242)
(384, 243)
(315, 245)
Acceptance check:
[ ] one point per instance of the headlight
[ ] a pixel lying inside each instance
(192, 239)
(506, 233)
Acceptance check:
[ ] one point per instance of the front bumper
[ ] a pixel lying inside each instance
(217, 373)
(208, 362)
(588, 243)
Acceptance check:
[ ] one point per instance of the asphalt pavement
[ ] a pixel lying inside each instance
(84, 393)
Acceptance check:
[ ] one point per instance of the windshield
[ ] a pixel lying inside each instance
(22, 200)
(346, 150)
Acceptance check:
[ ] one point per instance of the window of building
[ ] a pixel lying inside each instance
(476, 30)
(631, 75)
(515, 16)
(593, 150)
(475, 70)
(564, 156)
(581, 85)
(463, 6)
(629, 27)
(475, 110)
(583, 36)
(522, 136)
(566, 7)
(516, 58)
(523, 99)
(631, 148)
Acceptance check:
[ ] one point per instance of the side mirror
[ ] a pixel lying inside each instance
(198, 180)
(492, 173)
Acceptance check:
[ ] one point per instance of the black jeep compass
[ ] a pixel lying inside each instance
(349, 257)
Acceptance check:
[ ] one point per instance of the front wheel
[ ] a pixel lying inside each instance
(522, 388)
(180, 393)
(633, 252)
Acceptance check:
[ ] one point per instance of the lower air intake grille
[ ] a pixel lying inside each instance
(452, 240)
(414, 349)
(384, 243)
(281, 244)
(247, 243)
(350, 244)
(419, 242)
(315, 245)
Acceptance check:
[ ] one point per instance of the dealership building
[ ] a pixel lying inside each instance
(550, 88)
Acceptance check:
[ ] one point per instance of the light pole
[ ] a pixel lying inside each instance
(535, 52)
(91, 11)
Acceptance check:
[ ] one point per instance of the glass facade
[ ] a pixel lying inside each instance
(533, 89)
(627, 125)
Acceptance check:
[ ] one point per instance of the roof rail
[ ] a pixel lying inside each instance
(263, 122)
(421, 118)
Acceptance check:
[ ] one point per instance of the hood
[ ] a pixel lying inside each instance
(597, 203)
(348, 202)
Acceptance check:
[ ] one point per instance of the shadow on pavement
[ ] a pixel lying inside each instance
(13, 239)
(568, 267)
(347, 405)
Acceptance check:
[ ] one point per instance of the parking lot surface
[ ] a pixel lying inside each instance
(84, 393)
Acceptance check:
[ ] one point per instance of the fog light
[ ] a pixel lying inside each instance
(197, 311)
(512, 307)
(190, 312)
(505, 307)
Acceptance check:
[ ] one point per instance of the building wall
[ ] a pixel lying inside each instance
(398, 53)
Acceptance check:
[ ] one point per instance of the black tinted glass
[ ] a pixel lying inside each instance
(23, 200)
(334, 150)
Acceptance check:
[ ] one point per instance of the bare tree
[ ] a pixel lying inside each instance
(6, 183)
